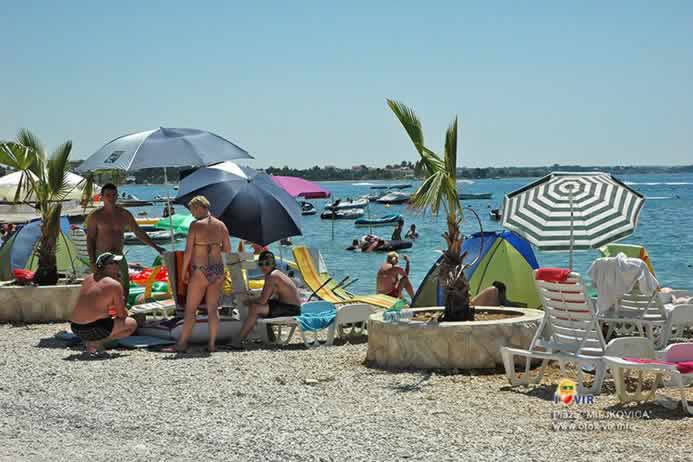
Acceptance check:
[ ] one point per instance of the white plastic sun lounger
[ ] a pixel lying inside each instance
(620, 358)
(568, 333)
(637, 313)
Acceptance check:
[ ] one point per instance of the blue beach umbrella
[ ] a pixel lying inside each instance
(252, 206)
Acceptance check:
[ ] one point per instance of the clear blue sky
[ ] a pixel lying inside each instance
(304, 83)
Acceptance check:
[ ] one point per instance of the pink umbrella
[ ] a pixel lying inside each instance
(300, 187)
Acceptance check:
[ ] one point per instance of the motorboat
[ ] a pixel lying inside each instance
(343, 214)
(372, 197)
(475, 196)
(495, 214)
(307, 208)
(394, 198)
(128, 200)
(392, 186)
(156, 236)
(387, 220)
(347, 204)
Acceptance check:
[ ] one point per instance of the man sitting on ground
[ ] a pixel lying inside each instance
(392, 278)
(100, 315)
(279, 296)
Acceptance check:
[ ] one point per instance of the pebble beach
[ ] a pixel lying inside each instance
(293, 404)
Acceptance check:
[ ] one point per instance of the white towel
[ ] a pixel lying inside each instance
(615, 276)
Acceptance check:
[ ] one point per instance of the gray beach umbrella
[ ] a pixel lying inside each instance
(573, 211)
(161, 148)
(252, 206)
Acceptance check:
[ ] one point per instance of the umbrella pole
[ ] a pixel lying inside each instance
(572, 235)
(168, 208)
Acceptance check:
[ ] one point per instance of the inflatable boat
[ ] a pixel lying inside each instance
(308, 209)
(387, 220)
(348, 214)
(394, 198)
(475, 196)
(341, 205)
(389, 246)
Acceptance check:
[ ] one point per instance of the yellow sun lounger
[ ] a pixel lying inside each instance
(327, 288)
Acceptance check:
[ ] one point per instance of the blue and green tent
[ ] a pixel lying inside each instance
(502, 256)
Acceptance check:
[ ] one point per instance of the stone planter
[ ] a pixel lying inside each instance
(37, 304)
(454, 345)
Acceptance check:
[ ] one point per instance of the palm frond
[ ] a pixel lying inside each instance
(433, 193)
(410, 122)
(27, 138)
(451, 150)
(87, 190)
(56, 169)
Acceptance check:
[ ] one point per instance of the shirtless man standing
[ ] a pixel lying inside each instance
(106, 231)
(279, 296)
(100, 298)
(392, 278)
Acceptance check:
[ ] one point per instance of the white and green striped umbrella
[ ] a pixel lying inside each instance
(573, 211)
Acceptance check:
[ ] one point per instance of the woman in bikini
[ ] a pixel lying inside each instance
(203, 269)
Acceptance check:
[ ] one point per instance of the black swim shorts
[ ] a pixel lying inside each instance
(93, 331)
(278, 309)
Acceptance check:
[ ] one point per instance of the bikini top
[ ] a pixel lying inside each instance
(210, 244)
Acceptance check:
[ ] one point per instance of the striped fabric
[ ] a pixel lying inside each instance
(603, 210)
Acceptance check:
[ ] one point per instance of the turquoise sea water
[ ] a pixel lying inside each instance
(665, 228)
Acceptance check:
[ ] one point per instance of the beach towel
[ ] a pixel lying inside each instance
(552, 274)
(684, 367)
(68, 337)
(143, 341)
(316, 321)
(615, 276)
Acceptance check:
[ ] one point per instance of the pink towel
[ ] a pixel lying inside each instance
(552, 274)
(684, 367)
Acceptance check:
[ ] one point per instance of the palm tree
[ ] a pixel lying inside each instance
(44, 184)
(438, 193)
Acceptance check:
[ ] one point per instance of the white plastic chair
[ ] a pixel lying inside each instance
(568, 333)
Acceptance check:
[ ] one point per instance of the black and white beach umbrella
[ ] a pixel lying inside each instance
(573, 211)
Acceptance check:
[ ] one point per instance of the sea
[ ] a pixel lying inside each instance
(665, 228)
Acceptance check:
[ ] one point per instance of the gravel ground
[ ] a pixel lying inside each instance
(290, 404)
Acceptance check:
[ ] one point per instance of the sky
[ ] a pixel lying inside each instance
(304, 83)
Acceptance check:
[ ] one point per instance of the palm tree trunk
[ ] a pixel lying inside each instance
(452, 279)
(47, 272)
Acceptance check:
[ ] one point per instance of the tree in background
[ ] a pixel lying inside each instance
(44, 180)
(437, 193)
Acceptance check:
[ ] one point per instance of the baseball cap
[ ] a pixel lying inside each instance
(106, 258)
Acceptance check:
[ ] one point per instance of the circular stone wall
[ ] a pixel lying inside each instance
(449, 345)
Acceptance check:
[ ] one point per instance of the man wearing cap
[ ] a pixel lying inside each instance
(106, 232)
(100, 314)
(392, 278)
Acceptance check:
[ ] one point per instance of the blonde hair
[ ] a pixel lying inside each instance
(198, 201)
(391, 257)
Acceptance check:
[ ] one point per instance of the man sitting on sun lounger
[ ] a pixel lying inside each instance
(279, 297)
(100, 314)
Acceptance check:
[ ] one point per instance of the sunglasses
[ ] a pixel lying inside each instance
(265, 263)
